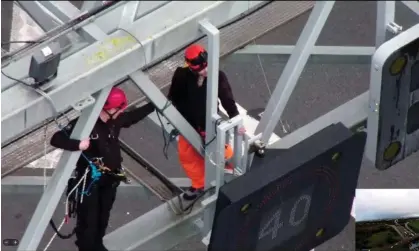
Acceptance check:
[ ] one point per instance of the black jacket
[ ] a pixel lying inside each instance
(103, 139)
(190, 99)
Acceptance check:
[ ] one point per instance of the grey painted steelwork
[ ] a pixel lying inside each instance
(235, 34)
(111, 59)
(385, 15)
(288, 79)
(161, 228)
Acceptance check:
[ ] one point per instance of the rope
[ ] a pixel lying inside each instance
(66, 216)
(54, 235)
(284, 128)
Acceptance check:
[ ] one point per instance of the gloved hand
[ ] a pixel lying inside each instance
(202, 134)
(173, 134)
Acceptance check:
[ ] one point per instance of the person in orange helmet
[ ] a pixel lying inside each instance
(188, 93)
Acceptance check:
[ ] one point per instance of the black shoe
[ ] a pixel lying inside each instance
(192, 193)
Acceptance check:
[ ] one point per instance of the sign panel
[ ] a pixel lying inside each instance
(393, 120)
(292, 200)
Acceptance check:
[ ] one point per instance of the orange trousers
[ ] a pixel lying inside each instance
(193, 163)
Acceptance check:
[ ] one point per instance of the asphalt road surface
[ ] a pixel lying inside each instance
(320, 89)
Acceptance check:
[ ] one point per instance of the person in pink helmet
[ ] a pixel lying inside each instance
(94, 211)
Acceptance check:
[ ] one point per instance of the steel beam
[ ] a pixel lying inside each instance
(212, 162)
(6, 26)
(128, 14)
(66, 11)
(292, 71)
(88, 5)
(349, 114)
(385, 15)
(170, 112)
(319, 54)
(46, 20)
(212, 98)
(35, 185)
(111, 59)
(158, 229)
(109, 22)
(181, 182)
(317, 50)
(412, 5)
(62, 173)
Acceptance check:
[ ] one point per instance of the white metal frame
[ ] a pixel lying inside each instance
(142, 42)
(379, 68)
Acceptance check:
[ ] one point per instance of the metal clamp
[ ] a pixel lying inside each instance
(82, 104)
(258, 147)
(394, 28)
(374, 106)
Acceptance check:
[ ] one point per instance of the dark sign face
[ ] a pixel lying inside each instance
(296, 201)
(291, 215)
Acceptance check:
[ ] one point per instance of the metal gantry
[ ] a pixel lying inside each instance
(109, 60)
(122, 50)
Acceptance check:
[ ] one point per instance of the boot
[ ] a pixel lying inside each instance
(192, 193)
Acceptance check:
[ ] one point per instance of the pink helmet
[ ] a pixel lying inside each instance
(116, 99)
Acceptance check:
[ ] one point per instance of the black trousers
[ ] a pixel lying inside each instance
(93, 214)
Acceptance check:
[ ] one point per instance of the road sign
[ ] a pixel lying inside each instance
(393, 119)
(294, 199)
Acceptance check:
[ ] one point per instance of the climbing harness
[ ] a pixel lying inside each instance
(118, 175)
(70, 209)
(73, 193)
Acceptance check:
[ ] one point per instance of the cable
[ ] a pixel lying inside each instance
(20, 42)
(67, 213)
(95, 173)
(166, 142)
(284, 128)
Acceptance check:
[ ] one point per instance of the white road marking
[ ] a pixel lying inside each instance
(49, 161)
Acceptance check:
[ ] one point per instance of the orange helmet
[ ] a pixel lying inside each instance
(196, 57)
(228, 153)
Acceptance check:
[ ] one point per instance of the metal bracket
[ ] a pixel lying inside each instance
(82, 104)
(248, 156)
(394, 28)
(374, 106)
(209, 200)
(204, 203)
(258, 148)
(206, 239)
